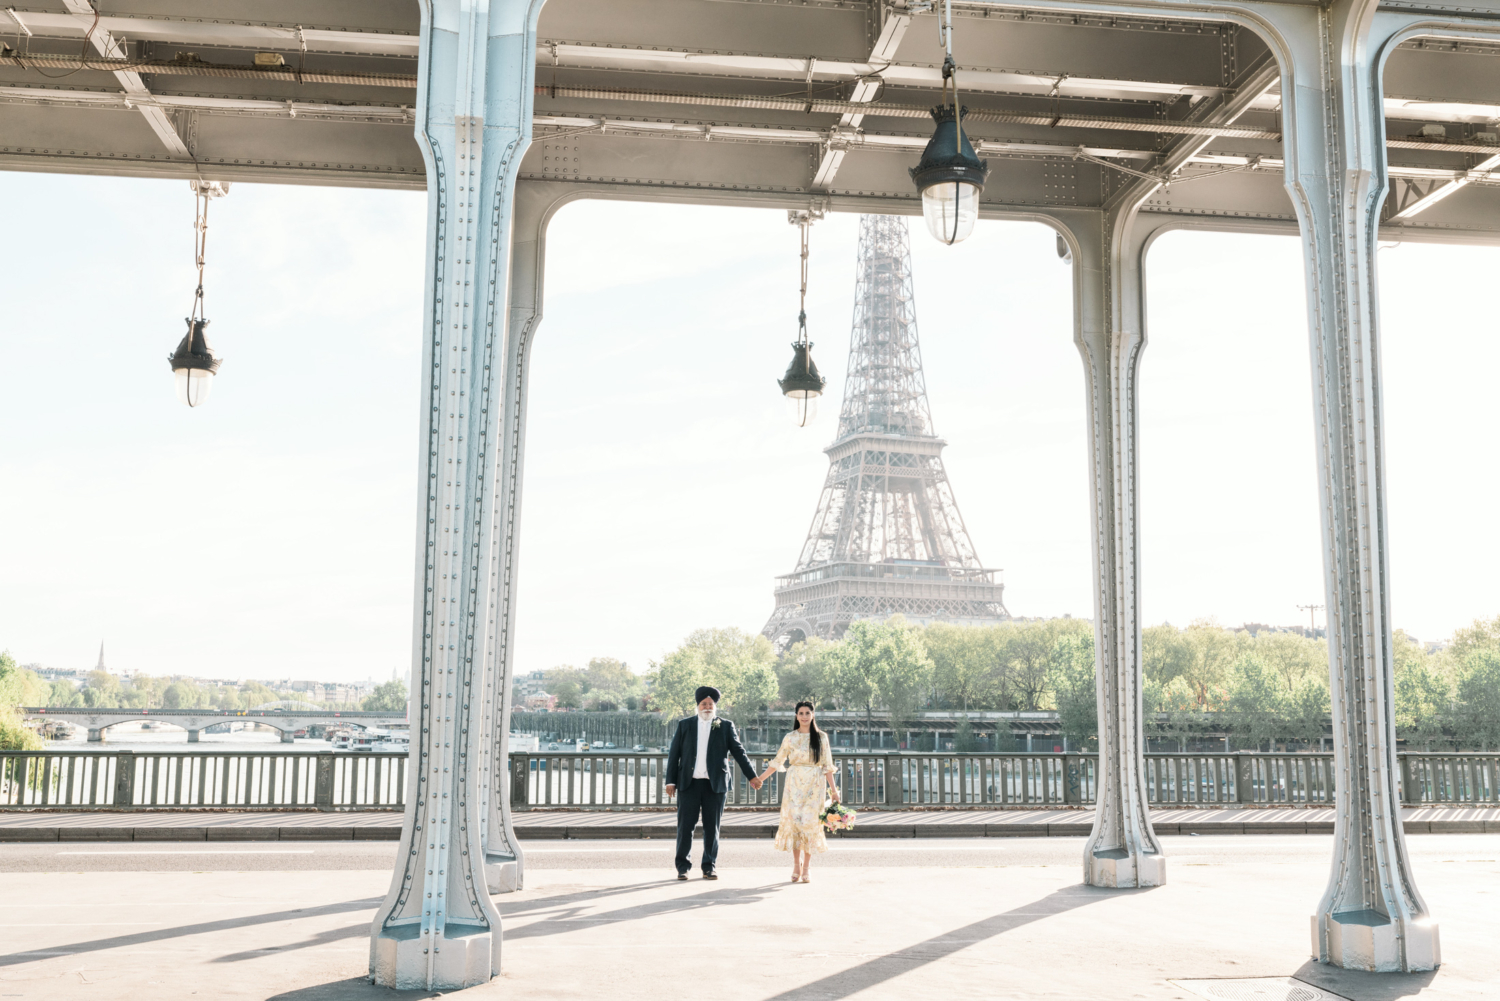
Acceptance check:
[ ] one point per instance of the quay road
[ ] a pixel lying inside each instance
(951, 919)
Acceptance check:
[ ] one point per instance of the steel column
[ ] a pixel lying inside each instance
(1122, 850)
(1371, 916)
(437, 928)
(504, 865)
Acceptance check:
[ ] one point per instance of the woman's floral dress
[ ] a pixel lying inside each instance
(802, 794)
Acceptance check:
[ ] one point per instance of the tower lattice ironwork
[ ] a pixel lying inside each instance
(887, 536)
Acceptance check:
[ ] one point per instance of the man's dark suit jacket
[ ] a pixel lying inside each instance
(722, 742)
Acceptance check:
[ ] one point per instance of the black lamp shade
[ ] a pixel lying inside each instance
(949, 156)
(193, 350)
(802, 379)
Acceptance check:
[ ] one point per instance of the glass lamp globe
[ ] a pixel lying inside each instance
(193, 365)
(803, 407)
(950, 209)
(193, 385)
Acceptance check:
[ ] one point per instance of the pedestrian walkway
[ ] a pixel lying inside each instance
(540, 825)
(893, 921)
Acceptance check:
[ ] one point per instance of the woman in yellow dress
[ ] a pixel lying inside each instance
(807, 759)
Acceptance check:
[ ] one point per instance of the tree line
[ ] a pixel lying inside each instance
(1262, 690)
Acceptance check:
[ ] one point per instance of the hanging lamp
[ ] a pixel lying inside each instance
(194, 363)
(950, 174)
(802, 385)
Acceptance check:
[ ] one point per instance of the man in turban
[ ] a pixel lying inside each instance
(698, 775)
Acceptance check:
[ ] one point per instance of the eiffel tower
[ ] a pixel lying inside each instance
(887, 536)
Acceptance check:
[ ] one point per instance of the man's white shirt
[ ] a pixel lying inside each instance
(700, 769)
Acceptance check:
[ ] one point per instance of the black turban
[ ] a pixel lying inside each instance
(706, 692)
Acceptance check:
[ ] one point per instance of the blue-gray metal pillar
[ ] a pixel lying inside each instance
(534, 203)
(1122, 850)
(1371, 916)
(1108, 249)
(437, 928)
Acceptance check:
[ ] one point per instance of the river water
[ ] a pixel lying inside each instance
(130, 737)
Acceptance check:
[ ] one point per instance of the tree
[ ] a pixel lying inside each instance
(1072, 677)
(1292, 657)
(1027, 651)
(1257, 700)
(1477, 715)
(388, 697)
(183, 694)
(966, 668)
(1481, 634)
(741, 666)
(1165, 654)
(804, 672)
(18, 687)
(1212, 653)
(64, 694)
(1424, 695)
(883, 663)
(608, 674)
(963, 736)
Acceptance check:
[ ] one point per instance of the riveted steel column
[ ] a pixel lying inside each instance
(504, 865)
(1371, 916)
(1122, 850)
(437, 928)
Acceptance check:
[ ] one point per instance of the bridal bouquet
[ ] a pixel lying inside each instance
(837, 817)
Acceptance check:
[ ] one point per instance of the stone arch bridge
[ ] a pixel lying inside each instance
(194, 721)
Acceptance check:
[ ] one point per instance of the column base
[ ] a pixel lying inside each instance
(287, 738)
(96, 736)
(467, 956)
(192, 736)
(502, 874)
(1368, 940)
(1116, 868)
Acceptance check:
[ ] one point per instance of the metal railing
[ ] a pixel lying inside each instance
(250, 780)
(907, 780)
(265, 780)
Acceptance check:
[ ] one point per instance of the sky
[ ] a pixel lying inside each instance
(271, 534)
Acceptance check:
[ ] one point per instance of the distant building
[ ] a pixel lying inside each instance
(531, 684)
(540, 702)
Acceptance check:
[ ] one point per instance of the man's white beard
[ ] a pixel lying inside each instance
(706, 714)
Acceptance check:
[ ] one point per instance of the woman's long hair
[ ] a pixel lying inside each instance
(814, 735)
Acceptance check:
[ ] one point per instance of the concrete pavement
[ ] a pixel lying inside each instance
(940, 919)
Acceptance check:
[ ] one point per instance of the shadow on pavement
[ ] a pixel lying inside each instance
(509, 907)
(556, 924)
(361, 930)
(203, 927)
(875, 972)
(348, 990)
(1360, 986)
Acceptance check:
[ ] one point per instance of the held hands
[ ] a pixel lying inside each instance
(756, 782)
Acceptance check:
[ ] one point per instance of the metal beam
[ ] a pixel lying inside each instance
(248, 36)
(1480, 171)
(866, 89)
(85, 17)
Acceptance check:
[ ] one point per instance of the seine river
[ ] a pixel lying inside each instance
(129, 737)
